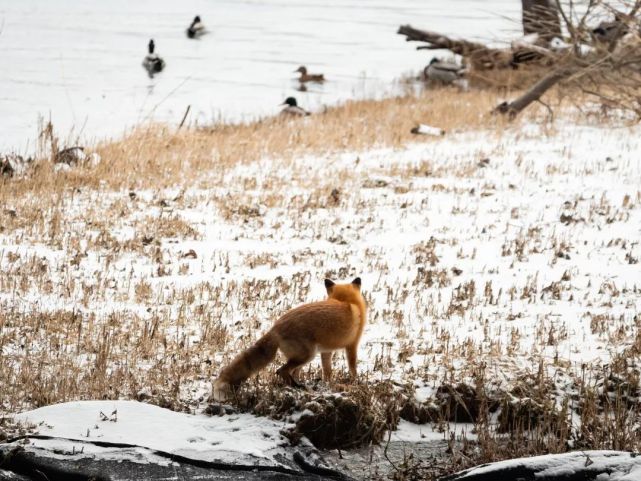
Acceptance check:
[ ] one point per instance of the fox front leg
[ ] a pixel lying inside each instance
(351, 360)
(326, 358)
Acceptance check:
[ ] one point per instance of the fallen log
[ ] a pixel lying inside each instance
(481, 57)
(437, 40)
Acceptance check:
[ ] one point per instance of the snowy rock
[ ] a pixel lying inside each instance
(578, 465)
(117, 435)
(242, 439)
(130, 464)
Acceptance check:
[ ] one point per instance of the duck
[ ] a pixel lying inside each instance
(196, 29)
(292, 108)
(445, 72)
(606, 31)
(308, 77)
(153, 63)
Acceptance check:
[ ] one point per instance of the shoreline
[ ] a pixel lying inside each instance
(350, 126)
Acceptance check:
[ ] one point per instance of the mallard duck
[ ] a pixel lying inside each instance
(13, 164)
(445, 72)
(605, 32)
(152, 62)
(76, 155)
(292, 108)
(308, 77)
(196, 29)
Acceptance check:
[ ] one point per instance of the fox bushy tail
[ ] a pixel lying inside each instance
(248, 362)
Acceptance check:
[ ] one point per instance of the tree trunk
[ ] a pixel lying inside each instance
(541, 17)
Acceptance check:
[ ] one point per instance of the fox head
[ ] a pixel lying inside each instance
(344, 292)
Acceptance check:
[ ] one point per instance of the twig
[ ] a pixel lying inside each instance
(389, 438)
(549, 109)
(182, 122)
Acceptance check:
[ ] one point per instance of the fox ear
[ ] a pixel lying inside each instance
(329, 284)
(357, 282)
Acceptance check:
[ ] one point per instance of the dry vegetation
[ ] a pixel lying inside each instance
(157, 157)
(499, 264)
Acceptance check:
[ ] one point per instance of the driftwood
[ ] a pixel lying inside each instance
(440, 41)
(479, 56)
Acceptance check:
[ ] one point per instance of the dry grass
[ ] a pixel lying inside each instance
(158, 157)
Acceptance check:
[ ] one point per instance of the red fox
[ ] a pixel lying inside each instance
(325, 326)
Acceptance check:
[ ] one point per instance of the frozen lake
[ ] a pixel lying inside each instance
(78, 62)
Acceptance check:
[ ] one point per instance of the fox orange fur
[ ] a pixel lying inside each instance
(325, 326)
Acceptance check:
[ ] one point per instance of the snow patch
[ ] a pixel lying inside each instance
(235, 439)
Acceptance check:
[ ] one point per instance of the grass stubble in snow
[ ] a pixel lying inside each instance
(500, 264)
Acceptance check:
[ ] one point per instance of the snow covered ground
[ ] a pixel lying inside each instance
(508, 250)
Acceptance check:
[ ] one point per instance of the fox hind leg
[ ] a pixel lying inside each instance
(297, 355)
(286, 371)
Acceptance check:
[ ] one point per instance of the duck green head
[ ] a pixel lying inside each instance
(291, 101)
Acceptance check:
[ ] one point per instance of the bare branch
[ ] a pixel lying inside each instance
(512, 109)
